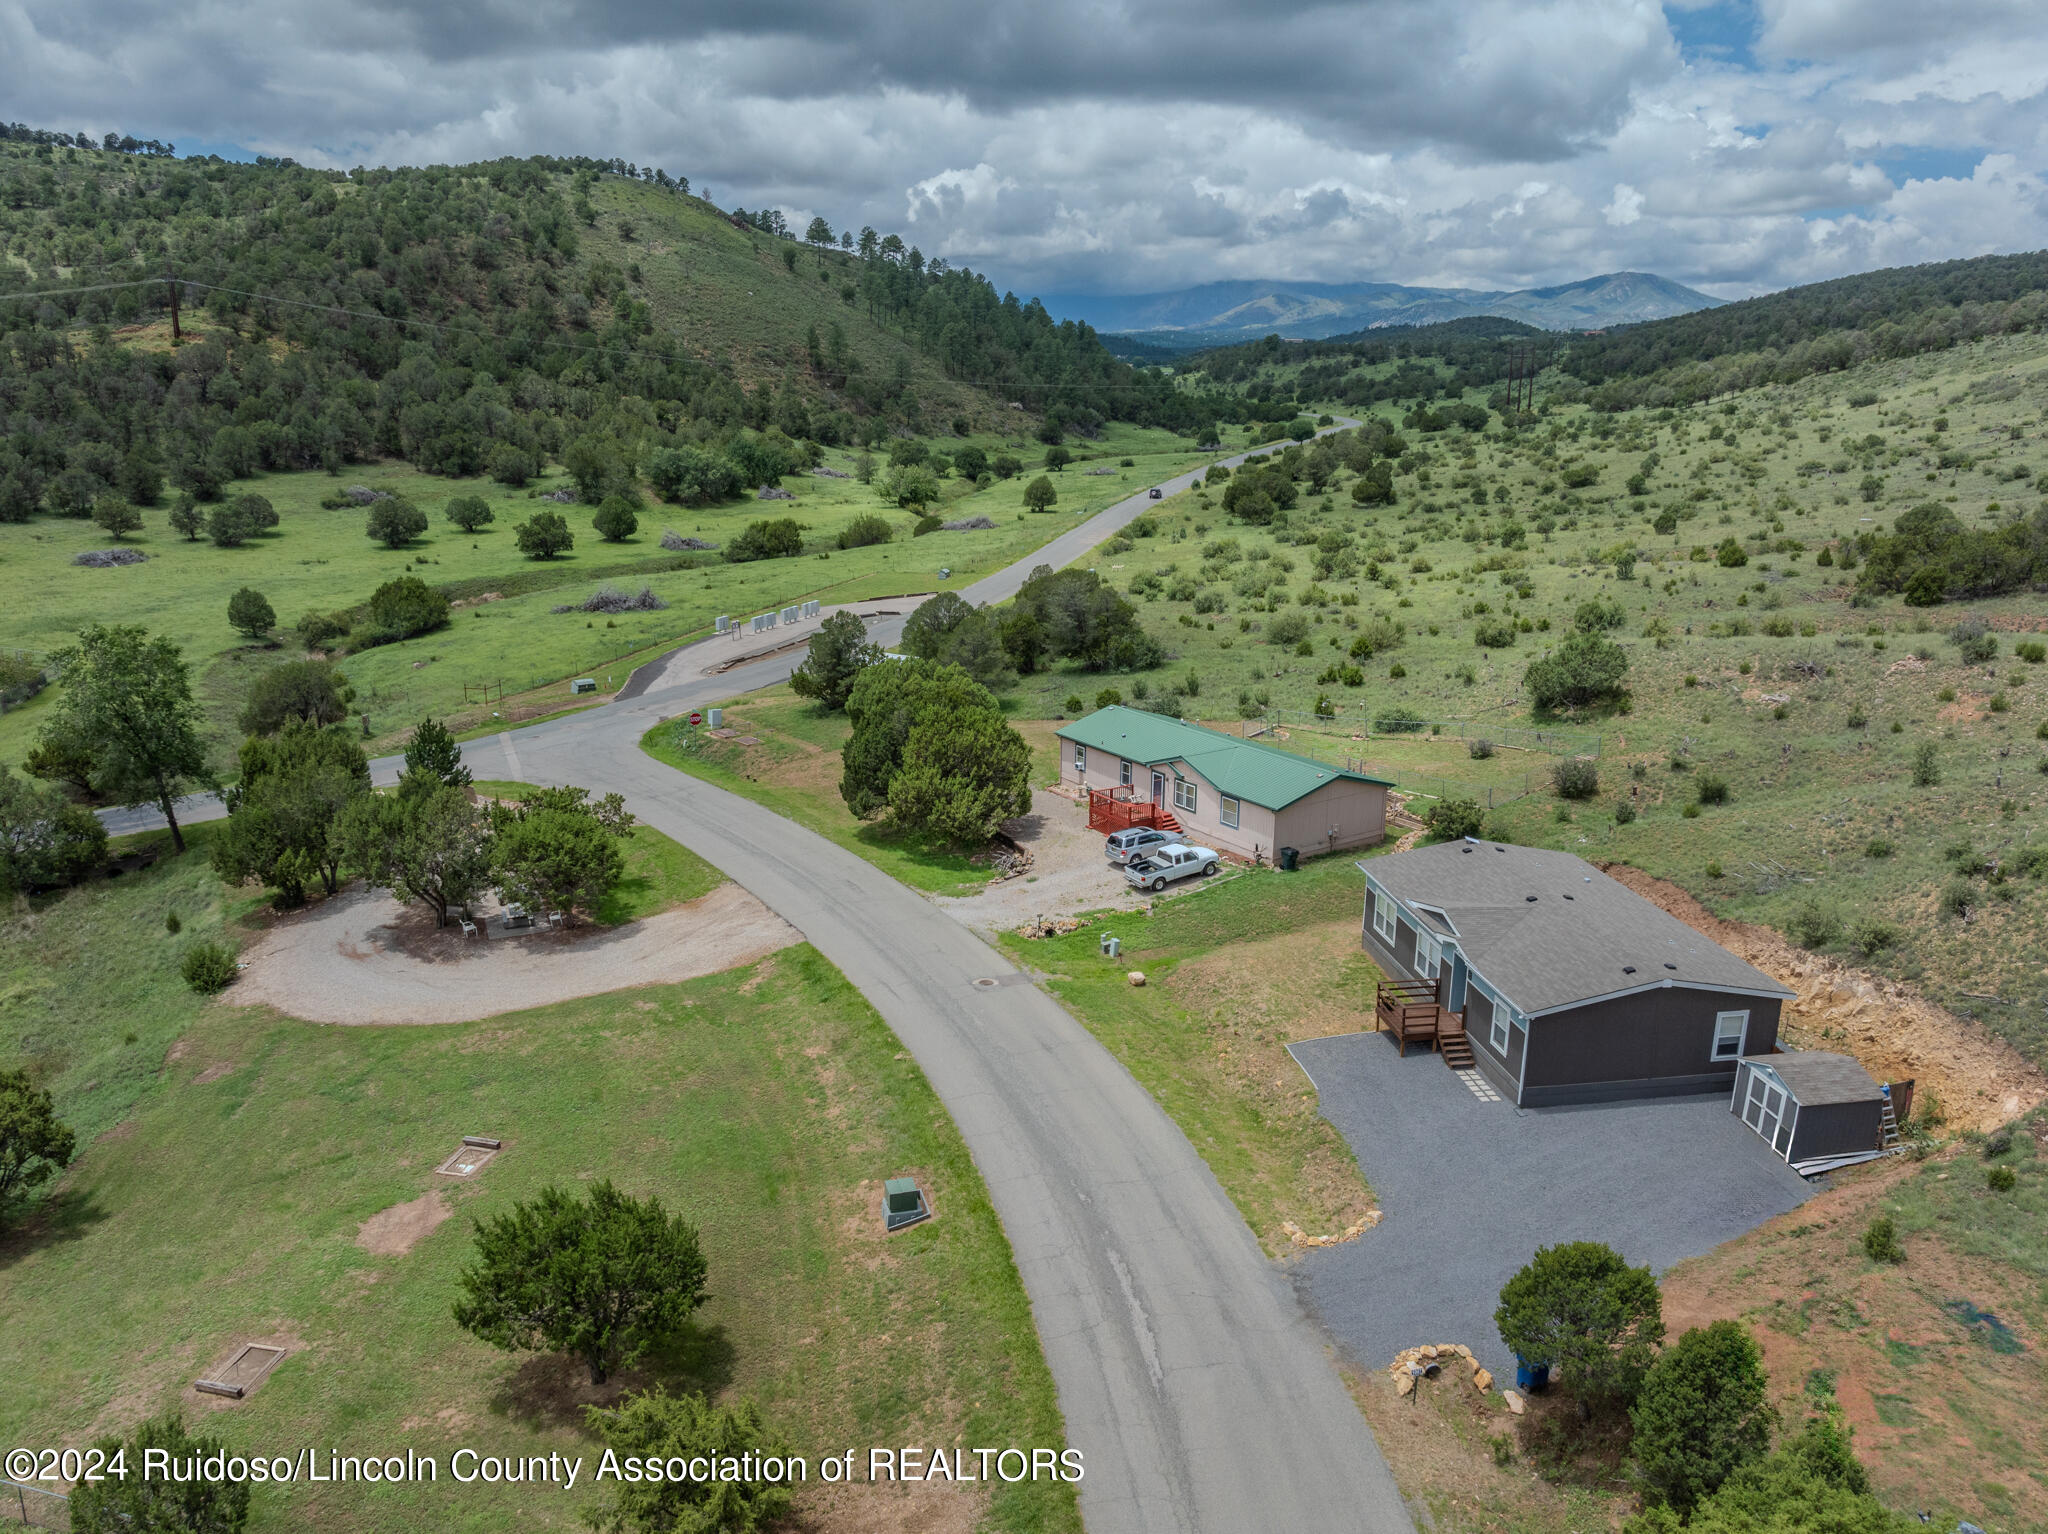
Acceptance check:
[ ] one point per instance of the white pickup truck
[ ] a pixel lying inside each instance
(1159, 865)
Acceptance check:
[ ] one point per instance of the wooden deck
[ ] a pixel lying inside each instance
(1408, 1009)
(1114, 810)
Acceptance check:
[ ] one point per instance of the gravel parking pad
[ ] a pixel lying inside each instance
(361, 957)
(1472, 1188)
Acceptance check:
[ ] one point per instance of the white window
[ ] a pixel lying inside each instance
(1383, 917)
(1497, 1035)
(1080, 757)
(1226, 810)
(1184, 795)
(1123, 773)
(1425, 956)
(1729, 1028)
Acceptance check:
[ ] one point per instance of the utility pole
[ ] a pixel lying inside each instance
(176, 334)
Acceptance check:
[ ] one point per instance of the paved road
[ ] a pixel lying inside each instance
(1200, 1393)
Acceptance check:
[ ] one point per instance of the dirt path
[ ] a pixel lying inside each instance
(364, 958)
(1897, 1033)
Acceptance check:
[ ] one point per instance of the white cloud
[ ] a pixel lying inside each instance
(1625, 207)
(1497, 143)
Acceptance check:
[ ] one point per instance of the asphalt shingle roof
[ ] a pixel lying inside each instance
(1549, 930)
(1816, 1077)
(1243, 769)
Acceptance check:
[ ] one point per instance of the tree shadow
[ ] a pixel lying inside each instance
(553, 1390)
(60, 1219)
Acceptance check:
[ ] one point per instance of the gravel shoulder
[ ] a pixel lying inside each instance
(361, 957)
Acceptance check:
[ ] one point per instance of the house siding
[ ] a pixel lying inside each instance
(1341, 814)
(1399, 963)
(1656, 1043)
(1359, 812)
(1653, 1044)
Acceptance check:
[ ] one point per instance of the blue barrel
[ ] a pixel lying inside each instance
(1531, 1377)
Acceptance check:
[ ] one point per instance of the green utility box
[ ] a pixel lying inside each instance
(583, 684)
(903, 1204)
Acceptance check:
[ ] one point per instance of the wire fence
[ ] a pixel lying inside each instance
(1551, 742)
(31, 1507)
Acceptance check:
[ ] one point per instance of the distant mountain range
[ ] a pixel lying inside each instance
(1225, 313)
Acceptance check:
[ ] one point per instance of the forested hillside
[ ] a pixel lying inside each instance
(1819, 328)
(485, 318)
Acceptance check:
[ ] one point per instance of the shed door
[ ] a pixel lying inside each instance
(1764, 1111)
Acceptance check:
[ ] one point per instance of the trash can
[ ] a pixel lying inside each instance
(1533, 1378)
(1290, 859)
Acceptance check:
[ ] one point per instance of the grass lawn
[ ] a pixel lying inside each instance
(765, 1105)
(506, 635)
(661, 874)
(1234, 973)
(794, 770)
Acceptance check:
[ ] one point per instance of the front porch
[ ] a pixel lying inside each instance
(1409, 1010)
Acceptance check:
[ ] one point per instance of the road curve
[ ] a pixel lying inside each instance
(1200, 1394)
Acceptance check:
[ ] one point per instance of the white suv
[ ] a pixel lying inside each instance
(1134, 843)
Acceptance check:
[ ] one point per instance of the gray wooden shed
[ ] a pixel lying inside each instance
(1816, 1109)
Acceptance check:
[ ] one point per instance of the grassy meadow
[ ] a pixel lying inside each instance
(1814, 708)
(504, 631)
(1234, 972)
(228, 1159)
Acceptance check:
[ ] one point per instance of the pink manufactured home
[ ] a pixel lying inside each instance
(1240, 797)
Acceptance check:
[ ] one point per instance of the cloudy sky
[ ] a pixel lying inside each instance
(1133, 145)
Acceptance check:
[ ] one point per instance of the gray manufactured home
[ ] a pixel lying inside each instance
(1567, 986)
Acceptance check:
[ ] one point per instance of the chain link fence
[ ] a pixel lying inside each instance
(31, 1507)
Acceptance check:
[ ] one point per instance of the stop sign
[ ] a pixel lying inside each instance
(695, 717)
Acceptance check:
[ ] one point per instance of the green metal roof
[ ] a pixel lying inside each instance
(1242, 769)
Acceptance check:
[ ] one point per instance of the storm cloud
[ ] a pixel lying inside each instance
(1141, 144)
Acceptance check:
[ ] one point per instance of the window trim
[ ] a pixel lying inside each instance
(1428, 954)
(1714, 1054)
(1080, 758)
(1383, 926)
(1227, 810)
(1499, 1028)
(1185, 786)
(1123, 773)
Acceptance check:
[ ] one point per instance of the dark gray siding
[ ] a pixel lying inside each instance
(1837, 1129)
(1404, 945)
(1653, 1044)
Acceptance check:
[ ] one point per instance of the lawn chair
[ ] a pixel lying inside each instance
(468, 927)
(554, 918)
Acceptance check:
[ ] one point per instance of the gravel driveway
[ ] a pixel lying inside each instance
(1472, 1188)
(1068, 872)
(361, 957)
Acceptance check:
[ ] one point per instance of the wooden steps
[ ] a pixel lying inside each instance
(1456, 1049)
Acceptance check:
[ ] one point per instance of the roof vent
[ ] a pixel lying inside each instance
(1465, 849)
(1571, 897)
(1669, 965)
(1628, 969)
(1530, 898)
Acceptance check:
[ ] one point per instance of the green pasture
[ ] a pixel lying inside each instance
(226, 1205)
(505, 633)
